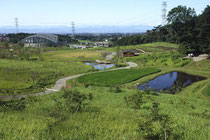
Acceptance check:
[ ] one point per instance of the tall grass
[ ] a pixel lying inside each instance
(20, 77)
(106, 116)
(149, 47)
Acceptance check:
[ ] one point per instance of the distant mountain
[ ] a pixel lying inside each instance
(79, 29)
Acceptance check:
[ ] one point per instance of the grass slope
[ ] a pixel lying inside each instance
(149, 47)
(72, 55)
(207, 90)
(21, 77)
(106, 117)
(117, 77)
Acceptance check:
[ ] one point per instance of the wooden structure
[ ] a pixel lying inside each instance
(130, 53)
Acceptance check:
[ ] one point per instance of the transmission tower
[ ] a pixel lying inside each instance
(164, 11)
(16, 25)
(73, 29)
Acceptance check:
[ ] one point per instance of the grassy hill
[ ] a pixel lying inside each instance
(87, 111)
(106, 116)
(149, 47)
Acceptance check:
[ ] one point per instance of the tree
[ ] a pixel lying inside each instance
(203, 26)
(180, 14)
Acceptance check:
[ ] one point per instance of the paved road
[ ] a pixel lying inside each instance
(62, 82)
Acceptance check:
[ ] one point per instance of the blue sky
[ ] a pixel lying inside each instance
(89, 12)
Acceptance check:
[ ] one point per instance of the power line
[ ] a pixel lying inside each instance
(16, 25)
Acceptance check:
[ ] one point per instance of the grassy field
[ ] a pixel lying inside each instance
(20, 77)
(207, 90)
(93, 112)
(72, 55)
(159, 59)
(87, 41)
(149, 47)
(117, 77)
(106, 116)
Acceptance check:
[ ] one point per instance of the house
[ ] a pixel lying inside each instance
(130, 53)
(101, 44)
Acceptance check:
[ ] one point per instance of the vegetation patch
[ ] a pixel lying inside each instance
(207, 90)
(169, 59)
(97, 113)
(73, 55)
(148, 47)
(21, 77)
(117, 77)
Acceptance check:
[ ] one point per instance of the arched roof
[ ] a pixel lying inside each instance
(51, 37)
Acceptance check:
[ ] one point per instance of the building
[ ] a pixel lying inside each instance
(40, 40)
(130, 53)
(77, 46)
(3, 38)
(101, 44)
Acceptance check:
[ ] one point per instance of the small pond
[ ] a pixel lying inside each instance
(170, 82)
(99, 66)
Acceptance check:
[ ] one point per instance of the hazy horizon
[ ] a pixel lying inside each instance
(80, 29)
(88, 13)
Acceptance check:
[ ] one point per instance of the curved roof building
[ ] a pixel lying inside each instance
(40, 40)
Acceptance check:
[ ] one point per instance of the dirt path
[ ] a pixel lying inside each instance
(197, 58)
(200, 57)
(62, 82)
(110, 56)
(141, 50)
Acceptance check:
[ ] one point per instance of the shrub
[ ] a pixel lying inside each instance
(75, 101)
(14, 105)
(117, 89)
(156, 126)
(135, 101)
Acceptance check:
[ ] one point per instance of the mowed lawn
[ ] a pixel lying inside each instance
(117, 77)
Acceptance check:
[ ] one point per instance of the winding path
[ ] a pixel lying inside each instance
(62, 82)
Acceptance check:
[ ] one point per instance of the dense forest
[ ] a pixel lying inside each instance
(183, 27)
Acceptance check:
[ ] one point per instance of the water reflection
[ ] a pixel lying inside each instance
(170, 82)
(100, 66)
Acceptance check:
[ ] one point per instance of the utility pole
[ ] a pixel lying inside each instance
(164, 11)
(16, 25)
(73, 29)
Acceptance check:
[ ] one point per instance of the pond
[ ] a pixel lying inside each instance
(171, 82)
(100, 66)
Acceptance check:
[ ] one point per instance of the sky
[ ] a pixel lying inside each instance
(89, 12)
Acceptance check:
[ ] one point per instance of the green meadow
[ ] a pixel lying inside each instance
(105, 116)
(104, 105)
(149, 47)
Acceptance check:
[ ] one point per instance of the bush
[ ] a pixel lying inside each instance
(75, 101)
(157, 126)
(135, 101)
(117, 89)
(13, 105)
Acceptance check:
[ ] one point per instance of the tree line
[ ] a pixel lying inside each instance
(183, 27)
